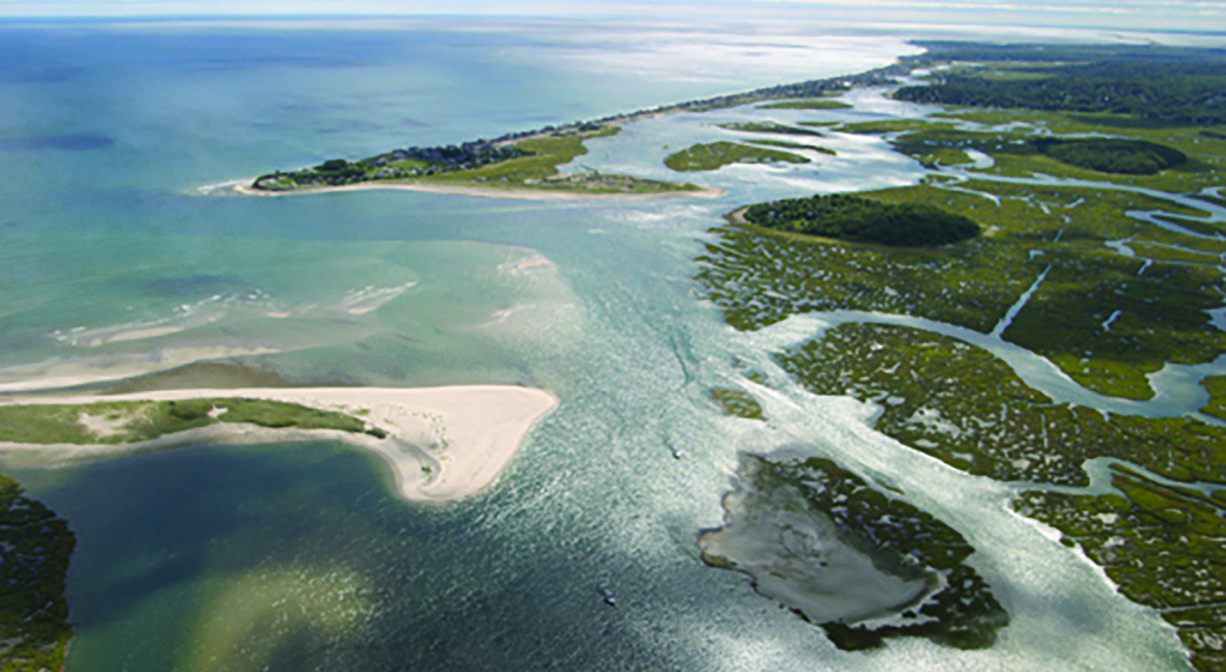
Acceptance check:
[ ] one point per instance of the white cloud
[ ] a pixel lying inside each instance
(1196, 15)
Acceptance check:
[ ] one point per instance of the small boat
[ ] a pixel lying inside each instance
(608, 596)
(676, 451)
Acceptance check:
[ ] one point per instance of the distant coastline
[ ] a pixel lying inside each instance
(471, 162)
(527, 193)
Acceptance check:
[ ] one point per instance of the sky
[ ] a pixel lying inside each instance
(1193, 15)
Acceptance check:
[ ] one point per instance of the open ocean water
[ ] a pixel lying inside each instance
(116, 259)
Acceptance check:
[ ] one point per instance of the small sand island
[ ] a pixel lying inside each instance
(513, 166)
(444, 444)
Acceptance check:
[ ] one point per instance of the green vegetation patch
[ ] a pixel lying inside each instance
(540, 159)
(892, 126)
(714, 155)
(1178, 159)
(1107, 324)
(1104, 155)
(1161, 545)
(901, 539)
(1163, 252)
(118, 422)
(921, 140)
(808, 104)
(35, 548)
(960, 404)
(767, 127)
(793, 145)
(864, 220)
(1216, 386)
(1106, 319)
(934, 158)
(519, 163)
(1109, 155)
(758, 277)
(737, 403)
(1200, 226)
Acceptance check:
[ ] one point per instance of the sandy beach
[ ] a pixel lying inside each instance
(243, 187)
(444, 444)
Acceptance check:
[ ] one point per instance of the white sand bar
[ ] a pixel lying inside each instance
(444, 444)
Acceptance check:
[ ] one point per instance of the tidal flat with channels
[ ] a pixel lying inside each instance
(299, 555)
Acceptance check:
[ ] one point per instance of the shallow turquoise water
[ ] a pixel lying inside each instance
(299, 557)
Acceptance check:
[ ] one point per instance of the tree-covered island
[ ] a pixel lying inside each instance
(864, 220)
(35, 547)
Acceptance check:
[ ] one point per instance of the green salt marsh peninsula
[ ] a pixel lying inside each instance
(1100, 238)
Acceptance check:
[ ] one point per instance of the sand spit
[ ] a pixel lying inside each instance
(244, 187)
(444, 444)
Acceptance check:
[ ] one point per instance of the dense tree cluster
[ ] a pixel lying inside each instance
(864, 220)
(453, 157)
(1131, 157)
(1158, 83)
(431, 160)
(942, 51)
(35, 547)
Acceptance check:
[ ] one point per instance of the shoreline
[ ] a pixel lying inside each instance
(827, 86)
(444, 444)
(737, 216)
(55, 377)
(243, 187)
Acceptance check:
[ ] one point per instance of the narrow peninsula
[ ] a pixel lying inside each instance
(516, 166)
(443, 444)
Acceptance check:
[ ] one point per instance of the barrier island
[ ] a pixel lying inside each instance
(527, 165)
